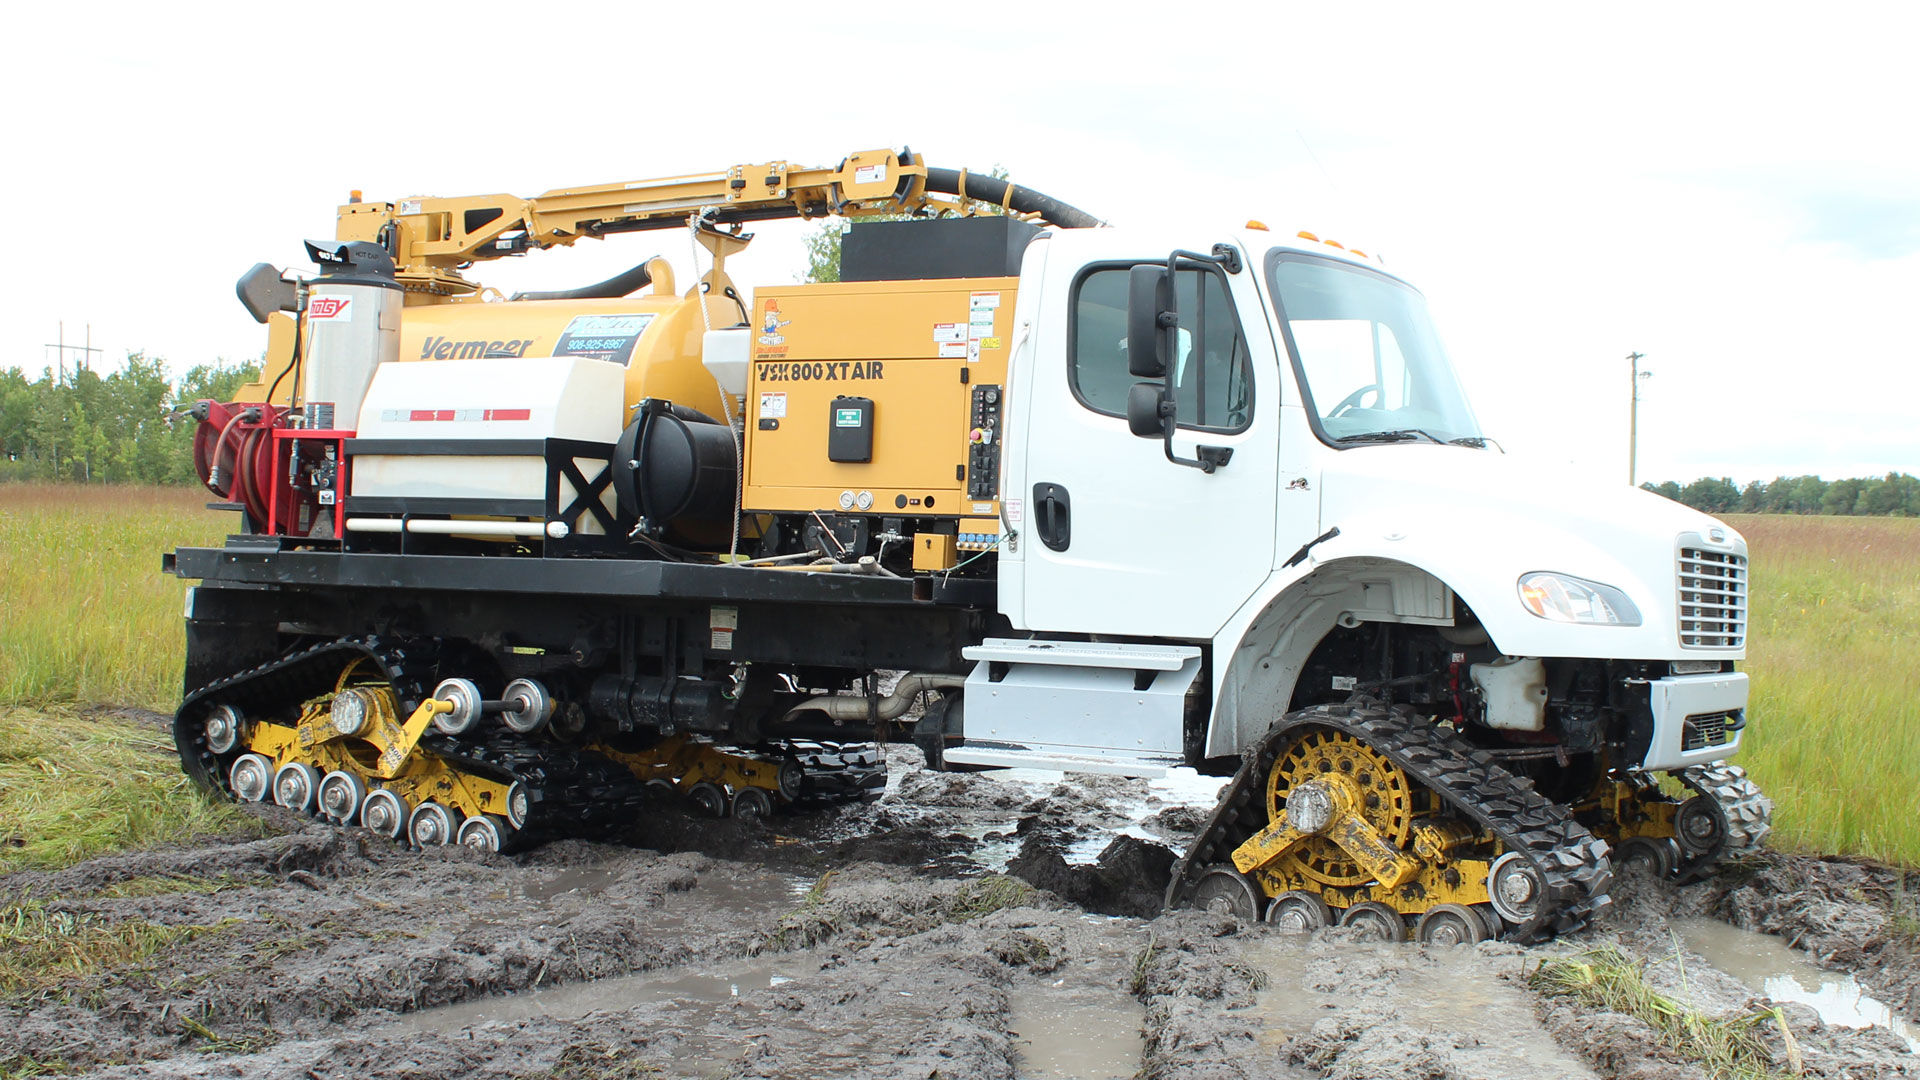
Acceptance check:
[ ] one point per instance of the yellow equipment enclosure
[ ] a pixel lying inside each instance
(881, 396)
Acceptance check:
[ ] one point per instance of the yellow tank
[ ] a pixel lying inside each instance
(656, 337)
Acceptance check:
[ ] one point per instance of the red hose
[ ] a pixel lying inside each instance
(211, 462)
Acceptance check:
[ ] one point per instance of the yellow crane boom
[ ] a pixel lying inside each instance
(432, 238)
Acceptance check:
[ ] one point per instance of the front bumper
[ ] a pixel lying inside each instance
(1697, 719)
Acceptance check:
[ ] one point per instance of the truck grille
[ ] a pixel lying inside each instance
(1713, 599)
(1700, 732)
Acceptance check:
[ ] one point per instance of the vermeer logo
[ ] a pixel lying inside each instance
(330, 307)
(439, 348)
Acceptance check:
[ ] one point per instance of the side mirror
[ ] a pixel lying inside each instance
(1143, 411)
(1149, 299)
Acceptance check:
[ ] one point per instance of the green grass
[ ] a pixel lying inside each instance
(1728, 1048)
(73, 786)
(1834, 733)
(41, 949)
(88, 617)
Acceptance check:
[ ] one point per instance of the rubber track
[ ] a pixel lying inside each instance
(568, 790)
(1571, 861)
(275, 690)
(1746, 811)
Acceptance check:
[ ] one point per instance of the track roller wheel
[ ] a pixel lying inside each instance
(528, 706)
(1657, 856)
(708, 798)
(1699, 828)
(1298, 912)
(341, 794)
(432, 824)
(385, 813)
(1376, 919)
(1451, 924)
(1515, 888)
(486, 832)
(752, 804)
(1223, 890)
(251, 777)
(296, 785)
(224, 725)
(465, 697)
(792, 779)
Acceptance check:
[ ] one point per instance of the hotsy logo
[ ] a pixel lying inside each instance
(328, 307)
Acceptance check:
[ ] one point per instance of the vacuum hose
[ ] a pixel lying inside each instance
(622, 284)
(994, 190)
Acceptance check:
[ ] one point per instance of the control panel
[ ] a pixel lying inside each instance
(983, 449)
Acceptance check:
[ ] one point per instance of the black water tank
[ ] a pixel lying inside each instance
(674, 472)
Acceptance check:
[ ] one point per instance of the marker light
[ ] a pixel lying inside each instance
(1260, 225)
(1568, 599)
(1305, 235)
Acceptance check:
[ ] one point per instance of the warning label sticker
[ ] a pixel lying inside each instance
(945, 332)
(953, 350)
(773, 406)
(723, 621)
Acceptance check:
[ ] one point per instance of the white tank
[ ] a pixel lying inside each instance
(351, 331)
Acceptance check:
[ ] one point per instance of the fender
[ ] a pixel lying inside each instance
(1407, 554)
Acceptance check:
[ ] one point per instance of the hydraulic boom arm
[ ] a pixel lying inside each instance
(432, 238)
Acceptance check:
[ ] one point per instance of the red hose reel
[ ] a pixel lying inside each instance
(239, 458)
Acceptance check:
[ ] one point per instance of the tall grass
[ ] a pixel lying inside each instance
(74, 785)
(1834, 655)
(85, 614)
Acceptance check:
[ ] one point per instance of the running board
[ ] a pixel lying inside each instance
(1076, 705)
(1011, 756)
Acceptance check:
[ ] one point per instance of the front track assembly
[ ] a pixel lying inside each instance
(358, 731)
(1373, 816)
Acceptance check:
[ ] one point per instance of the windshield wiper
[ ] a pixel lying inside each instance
(1397, 435)
(1474, 441)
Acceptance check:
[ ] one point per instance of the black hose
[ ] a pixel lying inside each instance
(622, 284)
(1025, 200)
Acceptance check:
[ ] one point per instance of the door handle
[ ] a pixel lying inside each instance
(1053, 516)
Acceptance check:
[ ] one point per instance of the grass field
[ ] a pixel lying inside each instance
(1835, 662)
(85, 614)
(1835, 733)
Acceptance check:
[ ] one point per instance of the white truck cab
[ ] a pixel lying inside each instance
(1321, 476)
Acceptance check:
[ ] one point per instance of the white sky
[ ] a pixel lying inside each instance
(1733, 190)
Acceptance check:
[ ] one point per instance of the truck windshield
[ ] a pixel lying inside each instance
(1367, 356)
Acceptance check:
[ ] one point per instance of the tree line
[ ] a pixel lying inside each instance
(1893, 495)
(118, 428)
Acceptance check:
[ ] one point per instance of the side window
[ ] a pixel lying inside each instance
(1211, 375)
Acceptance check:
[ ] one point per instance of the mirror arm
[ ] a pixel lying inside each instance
(1206, 458)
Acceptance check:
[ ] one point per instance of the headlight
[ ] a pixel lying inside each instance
(1567, 599)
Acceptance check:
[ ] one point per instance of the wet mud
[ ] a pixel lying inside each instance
(961, 926)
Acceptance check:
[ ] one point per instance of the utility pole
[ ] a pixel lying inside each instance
(1633, 419)
(62, 347)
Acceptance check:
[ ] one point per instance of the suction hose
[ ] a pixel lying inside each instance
(622, 284)
(1026, 201)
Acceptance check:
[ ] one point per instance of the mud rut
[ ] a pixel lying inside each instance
(870, 941)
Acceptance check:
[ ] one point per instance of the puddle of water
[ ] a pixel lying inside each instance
(1080, 1022)
(713, 986)
(1402, 977)
(1770, 966)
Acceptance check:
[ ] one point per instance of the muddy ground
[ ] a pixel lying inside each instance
(962, 926)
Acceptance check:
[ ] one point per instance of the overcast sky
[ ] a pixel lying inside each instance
(1732, 190)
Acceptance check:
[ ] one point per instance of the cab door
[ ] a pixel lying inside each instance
(1115, 538)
